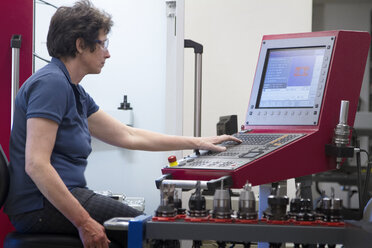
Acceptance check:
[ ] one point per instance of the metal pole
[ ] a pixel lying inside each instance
(15, 44)
(198, 50)
(198, 95)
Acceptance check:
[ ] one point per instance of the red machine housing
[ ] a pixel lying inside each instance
(17, 18)
(307, 154)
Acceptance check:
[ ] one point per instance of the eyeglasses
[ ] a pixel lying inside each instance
(103, 43)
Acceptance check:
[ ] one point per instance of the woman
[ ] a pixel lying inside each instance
(53, 122)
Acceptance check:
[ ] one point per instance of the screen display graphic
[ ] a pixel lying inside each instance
(290, 78)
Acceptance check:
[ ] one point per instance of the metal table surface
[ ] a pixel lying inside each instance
(353, 234)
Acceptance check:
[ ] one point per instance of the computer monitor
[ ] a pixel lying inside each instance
(290, 81)
(297, 90)
(290, 78)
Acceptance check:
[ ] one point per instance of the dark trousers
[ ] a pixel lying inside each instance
(50, 220)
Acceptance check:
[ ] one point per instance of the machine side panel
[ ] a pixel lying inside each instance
(345, 76)
(17, 18)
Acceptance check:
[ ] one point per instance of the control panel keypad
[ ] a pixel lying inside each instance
(253, 146)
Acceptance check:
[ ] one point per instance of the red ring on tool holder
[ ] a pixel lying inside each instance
(181, 216)
(155, 218)
(196, 219)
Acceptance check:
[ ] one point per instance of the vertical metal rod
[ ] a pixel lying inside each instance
(198, 50)
(198, 94)
(15, 44)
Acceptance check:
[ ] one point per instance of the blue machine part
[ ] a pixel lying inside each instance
(136, 231)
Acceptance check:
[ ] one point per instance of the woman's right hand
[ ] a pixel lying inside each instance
(93, 235)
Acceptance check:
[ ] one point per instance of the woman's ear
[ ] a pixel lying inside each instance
(80, 45)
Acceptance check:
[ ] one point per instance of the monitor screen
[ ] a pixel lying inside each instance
(290, 80)
(290, 77)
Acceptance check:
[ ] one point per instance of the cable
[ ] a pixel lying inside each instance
(354, 137)
(46, 3)
(317, 188)
(37, 56)
(362, 196)
(366, 181)
(359, 183)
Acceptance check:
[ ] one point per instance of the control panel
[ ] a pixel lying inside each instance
(253, 146)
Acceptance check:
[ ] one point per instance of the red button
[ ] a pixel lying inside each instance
(172, 159)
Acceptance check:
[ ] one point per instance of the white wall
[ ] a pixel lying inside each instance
(231, 32)
(136, 68)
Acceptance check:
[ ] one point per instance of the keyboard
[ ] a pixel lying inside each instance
(253, 146)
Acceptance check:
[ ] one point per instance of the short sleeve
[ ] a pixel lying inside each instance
(47, 98)
(92, 106)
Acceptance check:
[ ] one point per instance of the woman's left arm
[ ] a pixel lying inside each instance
(111, 131)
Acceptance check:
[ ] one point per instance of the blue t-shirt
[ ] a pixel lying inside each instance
(49, 94)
